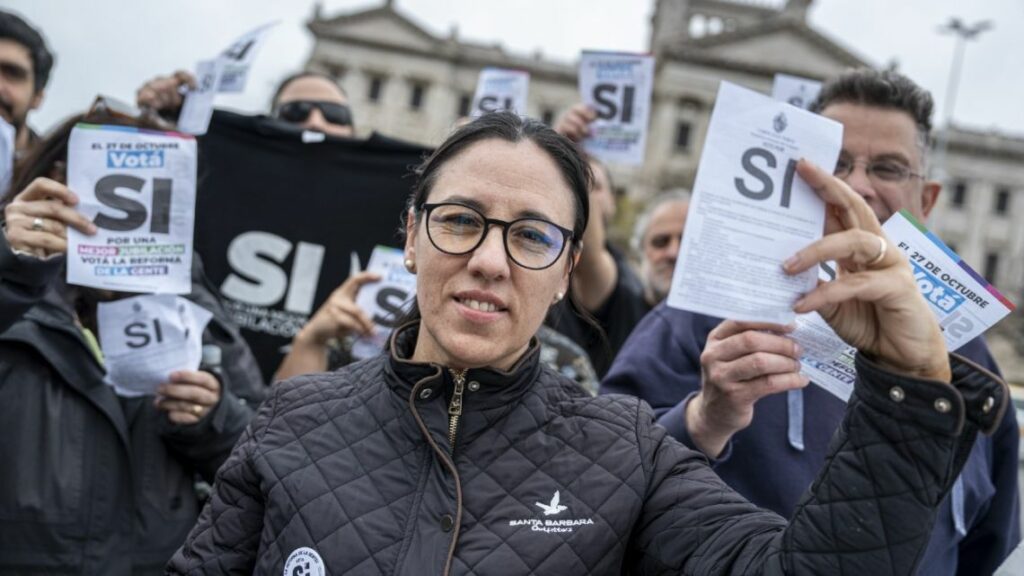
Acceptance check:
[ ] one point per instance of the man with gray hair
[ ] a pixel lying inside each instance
(734, 391)
(657, 235)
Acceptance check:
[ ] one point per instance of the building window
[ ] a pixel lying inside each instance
(547, 116)
(465, 101)
(376, 88)
(416, 95)
(682, 136)
(959, 194)
(991, 266)
(1002, 200)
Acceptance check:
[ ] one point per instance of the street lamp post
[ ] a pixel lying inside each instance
(963, 33)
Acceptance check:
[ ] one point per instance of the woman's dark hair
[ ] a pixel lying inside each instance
(509, 127)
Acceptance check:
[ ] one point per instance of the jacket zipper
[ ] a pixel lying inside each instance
(455, 407)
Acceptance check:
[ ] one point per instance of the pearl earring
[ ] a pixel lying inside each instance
(558, 297)
(410, 265)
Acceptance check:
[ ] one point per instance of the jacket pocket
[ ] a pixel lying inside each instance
(43, 443)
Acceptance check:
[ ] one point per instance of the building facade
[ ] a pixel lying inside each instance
(408, 82)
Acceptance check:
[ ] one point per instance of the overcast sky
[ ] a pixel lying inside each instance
(112, 46)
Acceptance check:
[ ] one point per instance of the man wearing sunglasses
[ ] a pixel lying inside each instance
(309, 100)
(25, 64)
(734, 390)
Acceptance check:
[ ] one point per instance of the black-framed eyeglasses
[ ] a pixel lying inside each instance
(297, 111)
(532, 243)
(883, 171)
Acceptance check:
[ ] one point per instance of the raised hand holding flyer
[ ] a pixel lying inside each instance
(501, 89)
(750, 211)
(139, 188)
(962, 301)
(145, 338)
(794, 90)
(618, 86)
(384, 301)
(197, 109)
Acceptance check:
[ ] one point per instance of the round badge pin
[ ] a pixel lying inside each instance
(304, 562)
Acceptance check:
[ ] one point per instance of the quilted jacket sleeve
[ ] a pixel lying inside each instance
(870, 510)
(226, 537)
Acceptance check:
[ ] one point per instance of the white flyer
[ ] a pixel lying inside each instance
(139, 188)
(799, 92)
(962, 301)
(7, 137)
(384, 301)
(501, 89)
(197, 109)
(238, 57)
(145, 338)
(618, 86)
(750, 211)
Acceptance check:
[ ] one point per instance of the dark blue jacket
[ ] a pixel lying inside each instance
(660, 363)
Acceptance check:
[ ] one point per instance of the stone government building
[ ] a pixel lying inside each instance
(409, 82)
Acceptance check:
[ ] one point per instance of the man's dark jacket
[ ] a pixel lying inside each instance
(91, 483)
(661, 365)
(356, 467)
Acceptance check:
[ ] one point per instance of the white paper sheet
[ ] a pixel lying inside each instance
(501, 89)
(198, 106)
(139, 188)
(794, 90)
(618, 86)
(382, 301)
(750, 211)
(145, 338)
(238, 57)
(964, 304)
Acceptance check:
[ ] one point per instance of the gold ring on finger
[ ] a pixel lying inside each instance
(882, 246)
(37, 224)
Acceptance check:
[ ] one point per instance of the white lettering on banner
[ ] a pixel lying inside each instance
(138, 188)
(252, 255)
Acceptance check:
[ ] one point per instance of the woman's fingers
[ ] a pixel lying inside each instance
(845, 205)
(54, 216)
(863, 248)
(866, 286)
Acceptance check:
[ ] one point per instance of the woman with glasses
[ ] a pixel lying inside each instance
(458, 453)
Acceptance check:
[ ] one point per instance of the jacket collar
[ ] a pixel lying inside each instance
(489, 393)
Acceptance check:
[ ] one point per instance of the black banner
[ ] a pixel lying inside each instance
(277, 218)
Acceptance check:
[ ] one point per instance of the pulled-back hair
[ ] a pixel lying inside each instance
(882, 89)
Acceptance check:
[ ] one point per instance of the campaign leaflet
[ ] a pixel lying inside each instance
(750, 211)
(618, 86)
(962, 301)
(385, 300)
(197, 108)
(501, 89)
(139, 188)
(238, 57)
(145, 338)
(794, 90)
(7, 136)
